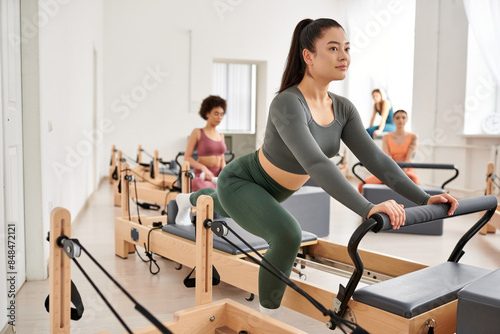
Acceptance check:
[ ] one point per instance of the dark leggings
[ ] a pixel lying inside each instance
(247, 194)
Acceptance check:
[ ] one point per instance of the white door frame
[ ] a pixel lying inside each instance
(36, 225)
(3, 257)
(13, 255)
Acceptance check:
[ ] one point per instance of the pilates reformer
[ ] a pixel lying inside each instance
(426, 298)
(141, 168)
(155, 184)
(223, 316)
(176, 246)
(152, 169)
(494, 223)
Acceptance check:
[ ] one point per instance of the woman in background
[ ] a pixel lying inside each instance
(208, 143)
(384, 109)
(400, 145)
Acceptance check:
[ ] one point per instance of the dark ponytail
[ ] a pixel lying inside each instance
(305, 35)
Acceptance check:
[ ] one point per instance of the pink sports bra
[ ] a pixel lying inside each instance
(209, 147)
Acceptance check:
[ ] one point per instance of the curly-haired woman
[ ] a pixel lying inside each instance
(208, 143)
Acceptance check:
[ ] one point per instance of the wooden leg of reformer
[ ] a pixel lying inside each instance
(59, 273)
(125, 189)
(123, 248)
(186, 182)
(112, 166)
(487, 229)
(490, 170)
(139, 154)
(156, 164)
(116, 194)
(204, 244)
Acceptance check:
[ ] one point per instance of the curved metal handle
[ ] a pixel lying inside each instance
(231, 154)
(419, 166)
(415, 215)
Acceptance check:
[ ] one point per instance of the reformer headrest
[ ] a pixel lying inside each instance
(422, 214)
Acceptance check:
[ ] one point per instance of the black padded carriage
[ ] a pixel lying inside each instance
(188, 232)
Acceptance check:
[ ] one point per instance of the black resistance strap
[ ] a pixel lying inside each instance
(220, 228)
(72, 248)
(76, 300)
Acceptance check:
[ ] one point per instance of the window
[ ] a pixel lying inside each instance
(236, 83)
(482, 96)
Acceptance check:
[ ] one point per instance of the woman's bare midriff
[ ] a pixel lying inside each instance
(210, 161)
(285, 179)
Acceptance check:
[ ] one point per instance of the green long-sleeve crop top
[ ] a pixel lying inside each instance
(295, 143)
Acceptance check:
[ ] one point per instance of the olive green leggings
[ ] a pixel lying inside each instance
(247, 194)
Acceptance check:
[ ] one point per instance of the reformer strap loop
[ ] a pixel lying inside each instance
(76, 299)
(190, 282)
(115, 174)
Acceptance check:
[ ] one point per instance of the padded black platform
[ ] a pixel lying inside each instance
(479, 306)
(418, 292)
(188, 232)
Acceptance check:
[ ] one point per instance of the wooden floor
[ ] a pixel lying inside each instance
(164, 293)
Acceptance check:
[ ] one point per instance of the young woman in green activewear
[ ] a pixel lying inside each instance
(304, 129)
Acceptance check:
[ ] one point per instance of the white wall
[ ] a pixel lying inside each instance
(382, 42)
(67, 88)
(153, 35)
(481, 89)
(439, 97)
(67, 32)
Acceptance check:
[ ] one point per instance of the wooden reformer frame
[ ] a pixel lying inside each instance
(243, 274)
(154, 190)
(206, 317)
(494, 223)
(117, 159)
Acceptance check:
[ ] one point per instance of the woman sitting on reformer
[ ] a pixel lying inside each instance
(384, 109)
(304, 129)
(400, 145)
(209, 144)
